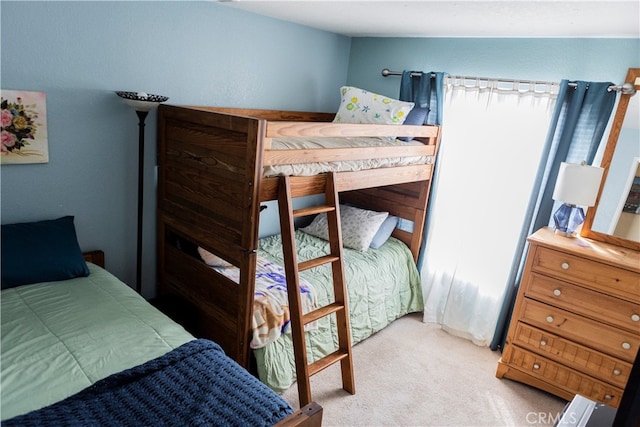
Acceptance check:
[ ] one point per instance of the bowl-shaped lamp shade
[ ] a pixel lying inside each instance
(141, 101)
(577, 184)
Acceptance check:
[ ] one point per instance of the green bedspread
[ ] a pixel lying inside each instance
(383, 285)
(60, 337)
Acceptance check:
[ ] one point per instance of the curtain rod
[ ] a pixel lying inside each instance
(625, 88)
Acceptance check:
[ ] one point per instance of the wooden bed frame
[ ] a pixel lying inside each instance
(211, 186)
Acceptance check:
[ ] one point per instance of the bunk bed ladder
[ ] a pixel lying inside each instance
(292, 268)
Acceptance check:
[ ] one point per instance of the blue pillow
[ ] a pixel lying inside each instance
(42, 251)
(384, 232)
(416, 117)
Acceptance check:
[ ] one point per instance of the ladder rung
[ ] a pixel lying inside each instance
(312, 210)
(327, 361)
(321, 312)
(315, 262)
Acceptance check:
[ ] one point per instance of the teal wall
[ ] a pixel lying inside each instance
(193, 52)
(518, 58)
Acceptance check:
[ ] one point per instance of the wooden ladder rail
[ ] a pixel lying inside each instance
(343, 354)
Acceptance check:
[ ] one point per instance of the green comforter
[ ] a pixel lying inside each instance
(383, 285)
(60, 337)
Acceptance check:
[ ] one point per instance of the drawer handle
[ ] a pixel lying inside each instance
(608, 397)
(536, 366)
(550, 319)
(543, 343)
(557, 292)
(617, 372)
(635, 317)
(626, 345)
(565, 265)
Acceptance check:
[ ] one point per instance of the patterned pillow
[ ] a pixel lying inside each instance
(361, 106)
(359, 226)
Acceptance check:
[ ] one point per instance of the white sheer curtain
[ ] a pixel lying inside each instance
(492, 139)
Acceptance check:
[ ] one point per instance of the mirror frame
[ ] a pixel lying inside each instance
(616, 126)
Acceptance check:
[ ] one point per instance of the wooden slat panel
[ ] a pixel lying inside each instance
(209, 290)
(403, 236)
(95, 257)
(380, 177)
(215, 237)
(351, 180)
(298, 129)
(386, 199)
(300, 116)
(183, 115)
(208, 137)
(202, 190)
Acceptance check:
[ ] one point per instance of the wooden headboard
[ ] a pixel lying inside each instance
(95, 257)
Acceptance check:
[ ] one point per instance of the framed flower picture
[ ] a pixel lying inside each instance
(24, 127)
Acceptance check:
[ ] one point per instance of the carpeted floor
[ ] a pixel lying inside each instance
(414, 374)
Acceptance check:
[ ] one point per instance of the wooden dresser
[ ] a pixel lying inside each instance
(575, 327)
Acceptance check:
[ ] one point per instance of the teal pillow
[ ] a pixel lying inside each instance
(416, 117)
(42, 251)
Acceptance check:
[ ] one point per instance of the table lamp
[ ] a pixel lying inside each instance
(577, 185)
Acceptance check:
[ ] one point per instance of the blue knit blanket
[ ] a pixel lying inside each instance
(195, 384)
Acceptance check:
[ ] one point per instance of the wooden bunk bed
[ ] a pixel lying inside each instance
(211, 184)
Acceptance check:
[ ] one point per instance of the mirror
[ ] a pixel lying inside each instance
(615, 218)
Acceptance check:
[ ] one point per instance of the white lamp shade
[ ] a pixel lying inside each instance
(578, 184)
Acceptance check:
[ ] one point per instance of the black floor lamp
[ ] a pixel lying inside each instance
(142, 103)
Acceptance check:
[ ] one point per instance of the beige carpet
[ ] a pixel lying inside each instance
(414, 374)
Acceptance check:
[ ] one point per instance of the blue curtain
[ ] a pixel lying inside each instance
(580, 117)
(426, 89)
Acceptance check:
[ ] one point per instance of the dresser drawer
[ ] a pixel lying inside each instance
(562, 376)
(605, 308)
(579, 357)
(592, 274)
(593, 334)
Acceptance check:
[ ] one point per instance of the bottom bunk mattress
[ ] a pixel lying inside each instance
(383, 284)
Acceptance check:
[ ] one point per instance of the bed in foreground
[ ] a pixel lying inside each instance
(88, 350)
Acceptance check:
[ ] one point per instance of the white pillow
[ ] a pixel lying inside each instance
(361, 106)
(212, 260)
(358, 226)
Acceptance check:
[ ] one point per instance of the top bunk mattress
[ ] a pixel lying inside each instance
(58, 338)
(310, 143)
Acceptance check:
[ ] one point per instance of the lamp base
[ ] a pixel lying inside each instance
(567, 219)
